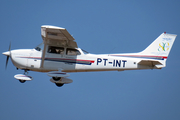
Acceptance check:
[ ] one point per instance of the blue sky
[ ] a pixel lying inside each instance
(98, 27)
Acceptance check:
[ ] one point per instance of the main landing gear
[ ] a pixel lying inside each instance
(58, 79)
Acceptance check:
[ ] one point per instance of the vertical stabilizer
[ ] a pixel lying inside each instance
(161, 46)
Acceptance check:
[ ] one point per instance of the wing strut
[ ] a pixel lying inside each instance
(43, 54)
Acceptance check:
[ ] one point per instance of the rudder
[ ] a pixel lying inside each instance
(161, 46)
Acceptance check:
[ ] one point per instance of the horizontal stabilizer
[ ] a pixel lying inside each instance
(151, 63)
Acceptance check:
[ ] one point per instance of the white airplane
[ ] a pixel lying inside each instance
(59, 54)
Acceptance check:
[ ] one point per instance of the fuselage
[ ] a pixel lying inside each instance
(72, 60)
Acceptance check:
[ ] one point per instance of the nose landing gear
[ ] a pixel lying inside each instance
(23, 77)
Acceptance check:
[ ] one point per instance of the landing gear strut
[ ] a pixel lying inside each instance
(25, 72)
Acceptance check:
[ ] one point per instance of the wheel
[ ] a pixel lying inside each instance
(59, 84)
(56, 78)
(22, 81)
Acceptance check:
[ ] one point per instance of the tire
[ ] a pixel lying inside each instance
(59, 84)
(22, 81)
(56, 78)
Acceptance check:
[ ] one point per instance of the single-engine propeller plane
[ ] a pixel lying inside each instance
(59, 54)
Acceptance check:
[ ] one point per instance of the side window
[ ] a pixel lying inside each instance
(72, 52)
(56, 50)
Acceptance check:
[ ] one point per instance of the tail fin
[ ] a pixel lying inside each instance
(160, 47)
(155, 55)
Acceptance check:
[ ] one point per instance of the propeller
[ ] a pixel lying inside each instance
(8, 54)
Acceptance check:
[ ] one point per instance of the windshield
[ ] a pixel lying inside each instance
(40, 47)
(85, 52)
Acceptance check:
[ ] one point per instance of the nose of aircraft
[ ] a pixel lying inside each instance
(6, 53)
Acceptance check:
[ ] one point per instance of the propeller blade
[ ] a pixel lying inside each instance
(9, 47)
(7, 61)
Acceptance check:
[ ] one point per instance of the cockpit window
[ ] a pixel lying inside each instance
(72, 52)
(56, 50)
(39, 47)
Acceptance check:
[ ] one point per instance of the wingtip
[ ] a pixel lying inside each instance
(51, 26)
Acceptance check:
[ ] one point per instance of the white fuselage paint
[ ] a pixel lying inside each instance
(30, 59)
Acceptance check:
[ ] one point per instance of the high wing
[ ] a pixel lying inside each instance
(57, 36)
